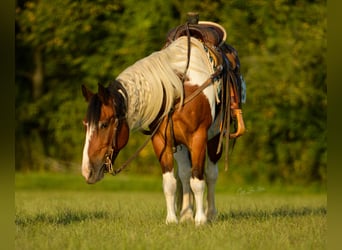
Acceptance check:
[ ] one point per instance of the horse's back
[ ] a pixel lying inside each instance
(200, 67)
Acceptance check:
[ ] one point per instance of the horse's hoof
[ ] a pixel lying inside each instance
(211, 215)
(200, 220)
(187, 216)
(171, 220)
(200, 223)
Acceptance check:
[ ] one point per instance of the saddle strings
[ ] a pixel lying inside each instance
(174, 149)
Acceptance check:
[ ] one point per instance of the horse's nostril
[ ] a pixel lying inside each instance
(90, 174)
(89, 178)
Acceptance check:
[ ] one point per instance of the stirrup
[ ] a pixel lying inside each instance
(237, 113)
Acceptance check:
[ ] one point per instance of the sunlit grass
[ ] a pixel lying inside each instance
(60, 216)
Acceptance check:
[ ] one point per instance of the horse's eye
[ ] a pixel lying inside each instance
(104, 125)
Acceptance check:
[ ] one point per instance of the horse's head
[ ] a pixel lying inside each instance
(107, 130)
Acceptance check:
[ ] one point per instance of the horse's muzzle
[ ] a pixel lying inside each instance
(91, 175)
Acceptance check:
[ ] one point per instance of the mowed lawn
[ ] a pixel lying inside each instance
(61, 212)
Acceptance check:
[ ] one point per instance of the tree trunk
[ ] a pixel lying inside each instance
(38, 74)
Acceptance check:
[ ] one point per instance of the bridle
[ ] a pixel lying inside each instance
(109, 154)
(114, 151)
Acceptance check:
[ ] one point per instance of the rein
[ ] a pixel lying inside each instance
(109, 155)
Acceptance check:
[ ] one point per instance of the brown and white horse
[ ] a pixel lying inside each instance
(146, 93)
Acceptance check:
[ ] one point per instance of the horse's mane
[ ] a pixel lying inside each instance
(118, 92)
(94, 110)
(114, 91)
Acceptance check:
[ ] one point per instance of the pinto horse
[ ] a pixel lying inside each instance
(154, 94)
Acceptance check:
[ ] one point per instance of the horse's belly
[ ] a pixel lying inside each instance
(214, 128)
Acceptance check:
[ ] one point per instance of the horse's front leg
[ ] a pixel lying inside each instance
(165, 157)
(182, 157)
(197, 183)
(169, 188)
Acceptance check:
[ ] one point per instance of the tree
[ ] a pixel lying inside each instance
(282, 46)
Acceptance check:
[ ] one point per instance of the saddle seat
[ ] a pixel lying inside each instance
(205, 31)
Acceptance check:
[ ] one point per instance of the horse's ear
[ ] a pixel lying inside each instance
(86, 93)
(102, 93)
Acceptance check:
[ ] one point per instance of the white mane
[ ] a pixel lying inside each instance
(154, 78)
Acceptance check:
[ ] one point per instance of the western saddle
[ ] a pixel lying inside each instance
(213, 36)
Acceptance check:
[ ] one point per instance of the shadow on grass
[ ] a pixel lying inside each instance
(276, 213)
(60, 218)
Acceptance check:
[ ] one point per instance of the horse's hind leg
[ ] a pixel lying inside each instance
(184, 172)
(211, 174)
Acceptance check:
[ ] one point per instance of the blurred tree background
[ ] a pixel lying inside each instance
(282, 45)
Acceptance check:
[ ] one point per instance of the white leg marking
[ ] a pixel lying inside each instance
(197, 187)
(211, 177)
(169, 187)
(184, 173)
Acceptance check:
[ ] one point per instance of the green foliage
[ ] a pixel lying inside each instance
(282, 46)
(286, 111)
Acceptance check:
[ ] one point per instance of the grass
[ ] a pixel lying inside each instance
(61, 212)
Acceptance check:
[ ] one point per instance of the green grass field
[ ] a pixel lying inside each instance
(59, 211)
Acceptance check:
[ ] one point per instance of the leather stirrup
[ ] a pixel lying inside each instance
(237, 114)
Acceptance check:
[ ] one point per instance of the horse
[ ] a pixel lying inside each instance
(176, 97)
